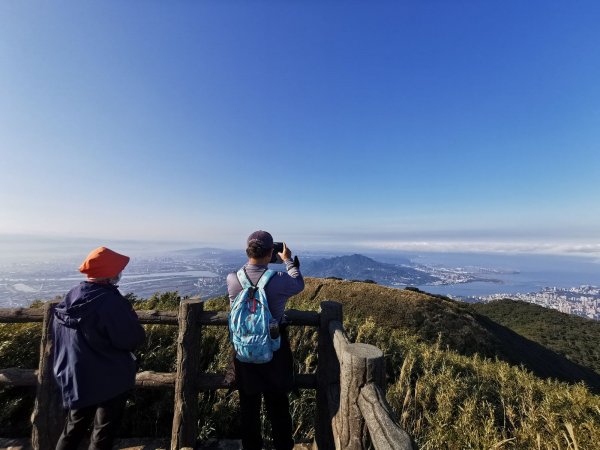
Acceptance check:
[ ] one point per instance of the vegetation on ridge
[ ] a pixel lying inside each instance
(450, 401)
(457, 325)
(444, 380)
(574, 337)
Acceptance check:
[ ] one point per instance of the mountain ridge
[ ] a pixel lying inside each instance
(357, 266)
(575, 337)
(453, 324)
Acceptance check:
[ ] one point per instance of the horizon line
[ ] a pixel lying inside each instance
(588, 249)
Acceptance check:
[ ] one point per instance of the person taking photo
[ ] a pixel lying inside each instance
(272, 380)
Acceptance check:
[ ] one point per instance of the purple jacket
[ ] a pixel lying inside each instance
(95, 331)
(281, 287)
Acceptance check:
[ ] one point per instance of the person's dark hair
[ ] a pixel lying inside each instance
(256, 251)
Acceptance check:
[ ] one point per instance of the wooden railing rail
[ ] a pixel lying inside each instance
(385, 432)
(350, 379)
(187, 382)
(22, 315)
(14, 376)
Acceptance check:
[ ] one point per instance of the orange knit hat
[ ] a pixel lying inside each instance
(103, 263)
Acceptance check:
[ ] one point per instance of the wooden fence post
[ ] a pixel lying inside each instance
(328, 377)
(360, 364)
(185, 417)
(48, 414)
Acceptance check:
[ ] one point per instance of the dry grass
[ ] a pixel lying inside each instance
(450, 401)
(446, 392)
(417, 313)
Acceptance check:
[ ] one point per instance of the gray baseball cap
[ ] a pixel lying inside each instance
(263, 238)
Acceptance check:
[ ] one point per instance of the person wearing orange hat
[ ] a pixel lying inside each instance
(95, 331)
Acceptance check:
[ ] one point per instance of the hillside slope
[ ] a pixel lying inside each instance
(574, 337)
(455, 324)
(444, 398)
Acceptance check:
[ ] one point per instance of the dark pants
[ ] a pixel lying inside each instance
(106, 417)
(278, 413)
(273, 381)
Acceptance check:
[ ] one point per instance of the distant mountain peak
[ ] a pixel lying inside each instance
(361, 267)
(356, 257)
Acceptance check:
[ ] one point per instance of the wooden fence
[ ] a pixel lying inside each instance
(350, 379)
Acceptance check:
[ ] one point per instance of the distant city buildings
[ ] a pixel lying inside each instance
(582, 301)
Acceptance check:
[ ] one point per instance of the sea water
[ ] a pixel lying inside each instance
(517, 273)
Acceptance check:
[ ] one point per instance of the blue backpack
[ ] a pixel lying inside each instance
(249, 321)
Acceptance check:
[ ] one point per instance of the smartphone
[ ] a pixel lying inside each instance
(277, 248)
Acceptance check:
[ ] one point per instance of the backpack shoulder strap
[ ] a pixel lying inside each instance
(243, 279)
(265, 278)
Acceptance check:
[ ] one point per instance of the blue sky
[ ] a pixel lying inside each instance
(390, 124)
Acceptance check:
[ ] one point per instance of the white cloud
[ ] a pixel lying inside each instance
(487, 247)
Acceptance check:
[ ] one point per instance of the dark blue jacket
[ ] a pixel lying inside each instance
(95, 330)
